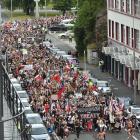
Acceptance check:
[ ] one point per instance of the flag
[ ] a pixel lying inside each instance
(59, 94)
(38, 77)
(56, 78)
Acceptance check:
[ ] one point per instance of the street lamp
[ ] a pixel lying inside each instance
(0, 14)
(45, 8)
(11, 9)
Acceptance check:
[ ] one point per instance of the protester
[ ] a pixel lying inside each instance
(58, 91)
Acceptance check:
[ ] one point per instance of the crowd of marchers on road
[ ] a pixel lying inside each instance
(59, 95)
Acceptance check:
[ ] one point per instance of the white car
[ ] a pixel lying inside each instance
(54, 50)
(66, 34)
(103, 86)
(39, 132)
(17, 87)
(14, 81)
(66, 56)
(33, 118)
(23, 94)
(134, 110)
(60, 54)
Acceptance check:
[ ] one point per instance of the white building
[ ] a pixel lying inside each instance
(123, 40)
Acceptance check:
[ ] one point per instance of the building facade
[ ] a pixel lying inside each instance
(122, 55)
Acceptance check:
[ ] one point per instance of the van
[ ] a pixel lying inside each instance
(73, 61)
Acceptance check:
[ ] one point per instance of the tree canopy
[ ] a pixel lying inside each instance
(85, 27)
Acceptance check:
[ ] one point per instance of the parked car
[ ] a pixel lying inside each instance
(134, 110)
(66, 56)
(54, 50)
(39, 132)
(73, 61)
(25, 104)
(125, 101)
(60, 54)
(103, 87)
(17, 87)
(66, 35)
(23, 94)
(33, 118)
(14, 81)
(58, 28)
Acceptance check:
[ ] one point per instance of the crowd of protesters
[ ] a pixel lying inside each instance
(52, 83)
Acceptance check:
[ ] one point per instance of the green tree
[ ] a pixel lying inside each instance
(63, 5)
(86, 23)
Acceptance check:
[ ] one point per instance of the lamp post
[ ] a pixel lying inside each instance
(0, 14)
(11, 9)
(45, 8)
(37, 9)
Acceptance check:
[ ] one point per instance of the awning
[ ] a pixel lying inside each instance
(109, 50)
(115, 56)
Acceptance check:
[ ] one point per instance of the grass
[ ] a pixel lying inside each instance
(22, 16)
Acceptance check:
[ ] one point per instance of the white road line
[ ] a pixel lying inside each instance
(132, 136)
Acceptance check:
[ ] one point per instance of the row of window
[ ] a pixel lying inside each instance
(124, 34)
(131, 7)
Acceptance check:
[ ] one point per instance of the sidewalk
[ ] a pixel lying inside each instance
(10, 129)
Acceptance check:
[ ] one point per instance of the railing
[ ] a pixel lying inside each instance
(13, 102)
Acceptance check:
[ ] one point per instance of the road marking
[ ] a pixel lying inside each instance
(132, 136)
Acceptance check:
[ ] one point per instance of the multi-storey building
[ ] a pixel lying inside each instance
(123, 40)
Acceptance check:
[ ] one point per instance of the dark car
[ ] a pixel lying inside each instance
(58, 28)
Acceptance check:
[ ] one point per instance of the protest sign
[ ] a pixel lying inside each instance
(89, 112)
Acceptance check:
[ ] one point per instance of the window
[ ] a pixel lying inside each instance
(127, 35)
(137, 7)
(112, 29)
(117, 31)
(109, 3)
(109, 28)
(112, 4)
(117, 4)
(132, 38)
(128, 6)
(136, 39)
(122, 5)
(122, 33)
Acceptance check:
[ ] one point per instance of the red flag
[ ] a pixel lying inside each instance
(59, 94)
(56, 77)
(38, 77)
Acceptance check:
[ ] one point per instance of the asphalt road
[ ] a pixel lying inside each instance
(119, 90)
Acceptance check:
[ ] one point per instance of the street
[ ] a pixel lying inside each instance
(119, 90)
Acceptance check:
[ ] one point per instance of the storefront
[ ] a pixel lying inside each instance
(120, 65)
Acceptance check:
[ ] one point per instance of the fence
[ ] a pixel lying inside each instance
(14, 103)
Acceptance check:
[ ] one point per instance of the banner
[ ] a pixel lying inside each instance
(89, 112)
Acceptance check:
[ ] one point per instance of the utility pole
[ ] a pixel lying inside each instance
(0, 14)
(11, 9)
(45, 8)
(1, 95)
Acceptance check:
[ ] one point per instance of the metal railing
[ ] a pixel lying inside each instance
(14, 103)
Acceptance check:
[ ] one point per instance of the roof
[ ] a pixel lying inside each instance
(32, 115)
(37, 125)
